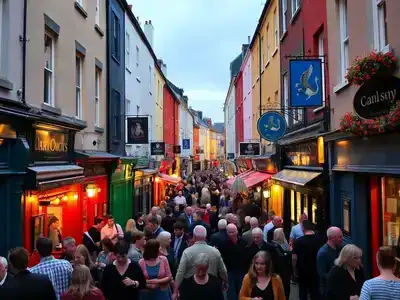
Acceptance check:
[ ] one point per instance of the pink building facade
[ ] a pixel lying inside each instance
(247, 98)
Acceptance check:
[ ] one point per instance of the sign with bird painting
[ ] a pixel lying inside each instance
(306, 83)
(271, 126)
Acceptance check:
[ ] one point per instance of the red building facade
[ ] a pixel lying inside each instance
(239, 109)
(171, 122)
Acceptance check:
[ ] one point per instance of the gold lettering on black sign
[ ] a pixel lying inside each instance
(47, 141)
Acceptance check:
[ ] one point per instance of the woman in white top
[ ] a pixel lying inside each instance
(385, 286)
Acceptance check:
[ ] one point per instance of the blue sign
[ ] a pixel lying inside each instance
(186, 144)
(306, 83)
(271, 126)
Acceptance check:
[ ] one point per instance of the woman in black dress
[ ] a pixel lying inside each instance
(201, 285)
(123, 279)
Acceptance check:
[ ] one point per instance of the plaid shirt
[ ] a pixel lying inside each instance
(58, 270)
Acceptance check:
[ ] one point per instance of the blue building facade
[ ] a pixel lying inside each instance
(116, 76)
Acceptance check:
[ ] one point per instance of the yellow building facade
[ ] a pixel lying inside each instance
(159, 83)
(265, 64)
(213, 145)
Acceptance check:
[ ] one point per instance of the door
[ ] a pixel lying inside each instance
(121, 202)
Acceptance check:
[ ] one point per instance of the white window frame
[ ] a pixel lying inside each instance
(137, 56)
(97, 16)
(50, 68)
(321, 54)
(268, 54)
(78, 87)
(344, 39)
(128, 107)
(97, 98)
(284, 10)
(127, 51)
(295, 7)
(80, 2)
(286, 97)
(276, 30)
(262, 51)
(380, 29)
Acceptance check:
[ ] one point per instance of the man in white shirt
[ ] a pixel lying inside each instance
(3, 270)
(112, 230)
(180, 199)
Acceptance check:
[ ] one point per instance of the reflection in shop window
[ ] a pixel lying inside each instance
(298, 207)
(292, 203)
(305, 209)
(391, 215)
(314, 210)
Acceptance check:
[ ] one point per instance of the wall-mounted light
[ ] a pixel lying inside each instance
(91, 190)
(266, 193)
(75, 196)
(258, 189)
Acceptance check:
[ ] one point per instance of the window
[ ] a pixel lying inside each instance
(116, 113)
(127, 50)
(284, 10)
(97, 12)
(78, 88)
(286, 97)
(276, 34)
(344, 38)
(97, 98)
(321, 53)
(262, 52)
(137, 56)
(295, 6)
(80, 2)
(380, 25)
(150, 80)
(268, 54)
(115, 37)
(391, 216)
(48, 96)
(298, 115)
(128, 107)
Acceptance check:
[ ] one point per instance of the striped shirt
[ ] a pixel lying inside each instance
(380, 289)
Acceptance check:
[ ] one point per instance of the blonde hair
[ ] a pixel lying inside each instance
(85, 253)
(279, 236)
(81, 282)
(268, 266)
(348, 252)
(131, 226)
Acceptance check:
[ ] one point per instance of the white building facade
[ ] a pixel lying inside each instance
(230, 121)
(139, 80)
(185, 129)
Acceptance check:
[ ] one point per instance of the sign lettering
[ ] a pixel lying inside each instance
(378, 97)
(51, 145)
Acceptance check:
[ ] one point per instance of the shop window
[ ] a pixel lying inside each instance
(314, 210)
(391, 215)
(293, 209)
(298, 206)
(305, 205)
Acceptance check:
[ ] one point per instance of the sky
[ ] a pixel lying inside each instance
(198, 39)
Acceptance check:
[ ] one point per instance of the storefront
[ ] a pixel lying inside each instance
(98, 169)
(53, 197)
(230, 168)
(186, 166)
(303, 183)
(365, 189)
(165, 186)
(121, 190)
(243, 164)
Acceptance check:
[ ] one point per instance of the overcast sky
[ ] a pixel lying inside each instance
(198, 39)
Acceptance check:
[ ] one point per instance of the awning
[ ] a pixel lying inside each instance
(95, 155)
(241, 175)
(170, 179)
(256, 178)
(296, 176)
(49, 177)
(148, 172)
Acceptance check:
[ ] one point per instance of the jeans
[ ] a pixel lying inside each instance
(235, 280)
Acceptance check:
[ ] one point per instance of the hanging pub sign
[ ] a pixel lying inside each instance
(271, 126)
(306, 82)
(157, 148)
(51, 144)
(185, 144)
(177, 149)
(376, 96)
(249, 149)
(138, 130)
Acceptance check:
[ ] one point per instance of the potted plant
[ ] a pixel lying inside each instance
(374, 64)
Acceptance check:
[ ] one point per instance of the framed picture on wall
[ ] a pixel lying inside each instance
(37, 228)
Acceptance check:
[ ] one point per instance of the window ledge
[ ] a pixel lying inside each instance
(98, 129)
(275, 51)
(138, 79)
(80, 121)
(51, 109)
(319, 108)
(266, 65)
(294, 16)
(99, 30)
(386, 49)
(283, 35)
(340, 87)
(81, 10)
(6, 84)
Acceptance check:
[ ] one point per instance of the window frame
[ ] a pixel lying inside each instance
(116, 40)
(150, 80)
(127, 50)
(78, 88)
(286, 96)
(379, 25)
(97, 97)
(51, 92)
(344, 39)
(276, 30)
(321, 54)
(295, 6)
(97, 14)
(284, 5)
(116, 115)
(137, 56)
(268, 52)
(80, 2)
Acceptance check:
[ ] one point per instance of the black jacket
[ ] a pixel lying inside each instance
(218, 239)
(184, 244)
(194, 224)
(234, 256)
(28, 286)
(168, 224)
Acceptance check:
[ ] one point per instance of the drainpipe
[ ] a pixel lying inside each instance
(24, 40)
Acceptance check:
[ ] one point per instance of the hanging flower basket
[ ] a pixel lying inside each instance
(375, 64)
(351, 123)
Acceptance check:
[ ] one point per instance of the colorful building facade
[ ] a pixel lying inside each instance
(159, 83)
(247, 97)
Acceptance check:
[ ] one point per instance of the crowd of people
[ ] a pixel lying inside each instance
(201, 242)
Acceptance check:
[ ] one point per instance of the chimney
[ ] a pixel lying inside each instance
(200, 114)
(149, 32)
(162, 66)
